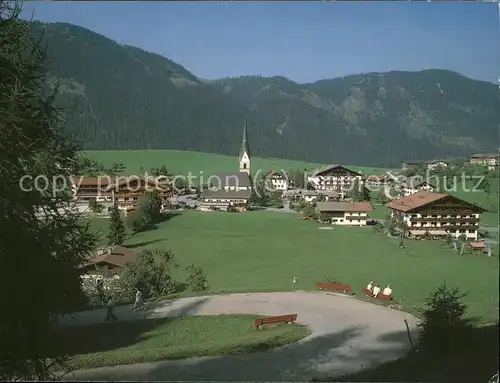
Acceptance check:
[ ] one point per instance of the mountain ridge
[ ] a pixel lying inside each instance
(122, 97)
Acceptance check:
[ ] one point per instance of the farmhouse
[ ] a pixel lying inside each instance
(277, 180)
(413, 185)
(437, 214)
(334, 178)
(127, 190)
(86, 188)
(110, 259)
(228, 191)
(345, 213)
(432, 164)
(490, 160)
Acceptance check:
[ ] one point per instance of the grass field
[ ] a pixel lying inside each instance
(150, 340)
(263, 251)
(183, 162)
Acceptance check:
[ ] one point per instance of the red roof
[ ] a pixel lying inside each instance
(89, 181)
(422, 198)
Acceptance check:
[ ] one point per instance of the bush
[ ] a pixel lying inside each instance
(151, 273)
(443, 327)
(197, 279)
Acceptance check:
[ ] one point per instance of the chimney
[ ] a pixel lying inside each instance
(100, 251)
(109, 251)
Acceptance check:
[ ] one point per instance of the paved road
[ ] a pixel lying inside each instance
(347, 335)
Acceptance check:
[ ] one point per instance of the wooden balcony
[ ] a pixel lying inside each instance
(451, 220)
(444, 227)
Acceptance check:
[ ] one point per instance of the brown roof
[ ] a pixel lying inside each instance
(160, 182)
(477, 245)
(418, 199)
(485, 155)
(226, 194)
(325, 169)
(89, 181)
(344, 206)
(119, 256)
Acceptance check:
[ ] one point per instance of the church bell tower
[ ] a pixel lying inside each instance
(244, 158)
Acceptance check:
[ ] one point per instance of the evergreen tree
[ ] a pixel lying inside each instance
(40, 256)
(116, 234)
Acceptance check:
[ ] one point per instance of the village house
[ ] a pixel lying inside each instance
(437, 214)
(310, 195)
(490, 160)
(277, 180)
(345, 213)
(413, 185)
(335, 178)
(85, 189)
(112, 258)
(126, 190)
(230, 191)
(429, 165)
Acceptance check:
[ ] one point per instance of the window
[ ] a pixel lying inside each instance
(244, 166)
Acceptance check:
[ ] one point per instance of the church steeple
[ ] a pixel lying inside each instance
(244, 158)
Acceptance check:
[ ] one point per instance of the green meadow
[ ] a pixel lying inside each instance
(183, 162)
(263, 251)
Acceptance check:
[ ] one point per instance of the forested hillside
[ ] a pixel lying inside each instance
(120, 97)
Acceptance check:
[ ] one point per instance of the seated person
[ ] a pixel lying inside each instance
(370, 286)
(376, 291)
(387, 291)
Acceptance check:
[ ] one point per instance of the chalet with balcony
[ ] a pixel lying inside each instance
(277, 180)
(491, 160)
(86, 188)
(437, 214)
(345, 213)
(127, 190)
(224, 200)
(335, 178)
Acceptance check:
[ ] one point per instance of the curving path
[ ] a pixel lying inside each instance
(347, 336)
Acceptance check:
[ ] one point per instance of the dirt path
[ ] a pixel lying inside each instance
(347, 335)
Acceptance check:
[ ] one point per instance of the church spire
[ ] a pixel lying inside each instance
(244, 142)
(244, 157)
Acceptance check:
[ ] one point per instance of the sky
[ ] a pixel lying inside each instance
(304, 41)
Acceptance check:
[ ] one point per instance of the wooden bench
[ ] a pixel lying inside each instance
(289, 318)
(367, 292)
(381, 297)
(334, 286)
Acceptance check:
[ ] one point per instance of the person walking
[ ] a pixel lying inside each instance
(110, 315)
(139, 301)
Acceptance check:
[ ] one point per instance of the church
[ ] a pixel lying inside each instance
(230, 191)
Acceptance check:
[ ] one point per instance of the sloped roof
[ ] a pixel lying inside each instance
(485, 155)
(120, 256)
(324, 169)
(344, 206)
(89, 181)
(226, 194)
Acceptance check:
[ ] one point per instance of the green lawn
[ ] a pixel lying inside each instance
(259, 251)
(183, 162)
(168, 338)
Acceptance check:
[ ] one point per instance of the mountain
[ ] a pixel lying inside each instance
(121, 97)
